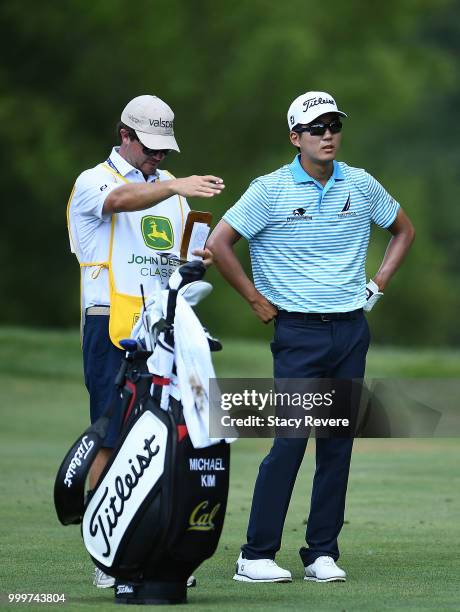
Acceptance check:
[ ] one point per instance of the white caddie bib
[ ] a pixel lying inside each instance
(144, 250)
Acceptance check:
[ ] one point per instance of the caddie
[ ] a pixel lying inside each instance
(308, 226)
(126, 218)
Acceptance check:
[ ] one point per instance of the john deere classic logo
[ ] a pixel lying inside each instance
(157, 232)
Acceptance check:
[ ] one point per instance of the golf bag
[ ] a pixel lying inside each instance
(158, 509)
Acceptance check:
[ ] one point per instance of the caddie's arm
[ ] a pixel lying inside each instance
(403, 236)
(138, 196)
(221, 243)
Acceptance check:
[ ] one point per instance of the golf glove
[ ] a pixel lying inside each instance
(373, 295)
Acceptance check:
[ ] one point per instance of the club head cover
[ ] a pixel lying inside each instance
(214, 343)
(195, 291)
(69, 486)
(187, 273)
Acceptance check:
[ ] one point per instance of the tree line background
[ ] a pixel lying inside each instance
(230, 70)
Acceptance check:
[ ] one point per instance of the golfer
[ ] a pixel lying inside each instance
(126, 218)
(308, 226)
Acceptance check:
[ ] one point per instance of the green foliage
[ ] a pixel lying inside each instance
(230, 71)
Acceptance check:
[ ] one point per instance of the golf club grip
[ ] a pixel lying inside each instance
(120, 377)
(171, 307)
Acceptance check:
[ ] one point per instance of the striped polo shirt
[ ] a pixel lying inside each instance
(308, 243)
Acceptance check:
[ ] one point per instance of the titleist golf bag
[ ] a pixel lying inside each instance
(158, 509)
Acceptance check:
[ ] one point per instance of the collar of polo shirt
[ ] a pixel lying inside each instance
(124, 167)
(300, 176)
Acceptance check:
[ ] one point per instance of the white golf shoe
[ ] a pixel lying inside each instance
(260, 570)
(324, 569)
(101, 580)
(191, 582)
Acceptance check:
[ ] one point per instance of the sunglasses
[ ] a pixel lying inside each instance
(149, 152)
(318, 129)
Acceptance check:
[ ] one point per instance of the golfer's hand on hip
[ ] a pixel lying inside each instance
(373, 295)
(198, 186)
(264, 309)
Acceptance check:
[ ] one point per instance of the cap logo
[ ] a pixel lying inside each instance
(315, 101)
(164, 123)
(134, 119)
(291, 119)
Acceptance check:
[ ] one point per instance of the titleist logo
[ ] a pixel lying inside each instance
(80, 455)
(315, 101)
(106, 514)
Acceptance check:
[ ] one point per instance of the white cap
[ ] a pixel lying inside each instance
(309, 106)
(152, 120)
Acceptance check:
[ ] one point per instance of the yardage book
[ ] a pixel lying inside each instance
(196, 232)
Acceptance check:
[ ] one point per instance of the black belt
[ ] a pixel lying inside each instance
(318, 316)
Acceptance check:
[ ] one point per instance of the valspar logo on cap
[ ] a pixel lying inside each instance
(153, 121)
(163, 123)
(311, 105)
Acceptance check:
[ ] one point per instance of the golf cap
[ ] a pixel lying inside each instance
(309, 106)
(152, 120)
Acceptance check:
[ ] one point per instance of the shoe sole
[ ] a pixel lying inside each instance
(105, 586)
(334, 579)
(242, 578)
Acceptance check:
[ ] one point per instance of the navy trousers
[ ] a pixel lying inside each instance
(101, 362)
(307, 349)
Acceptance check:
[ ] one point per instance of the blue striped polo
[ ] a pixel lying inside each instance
(308, 243)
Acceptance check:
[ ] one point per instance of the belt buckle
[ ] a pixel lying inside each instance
(325, 317)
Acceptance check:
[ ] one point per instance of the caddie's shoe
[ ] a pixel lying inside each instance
(191, 582)
(324, 569)
(260, 570)
(101, 580)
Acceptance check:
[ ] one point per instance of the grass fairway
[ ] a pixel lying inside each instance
(399, 544)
